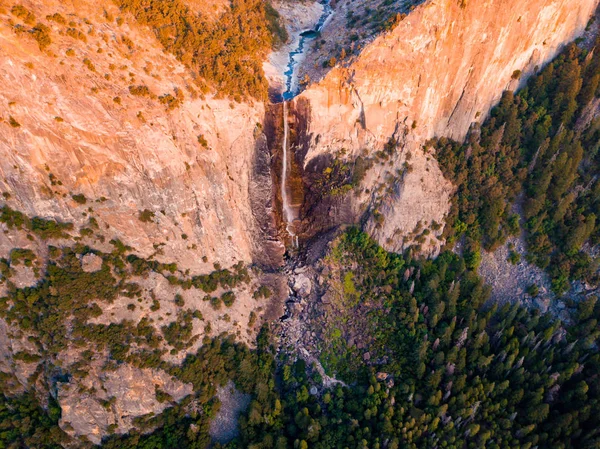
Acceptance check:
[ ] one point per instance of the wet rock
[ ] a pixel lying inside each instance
(294, 308)
(543, 303)
(327, 298)
(300, 270)
(314, 391)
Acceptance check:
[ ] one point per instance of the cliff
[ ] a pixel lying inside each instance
(161, 148)
(440, 69)
(101, 128)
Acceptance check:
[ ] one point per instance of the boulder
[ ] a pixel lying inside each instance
(302, 285)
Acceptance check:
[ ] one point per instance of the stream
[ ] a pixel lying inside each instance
(293, 325)
(291, 88)
(290, 213)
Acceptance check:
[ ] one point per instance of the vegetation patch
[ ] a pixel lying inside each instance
(535, 144)
(227, 53)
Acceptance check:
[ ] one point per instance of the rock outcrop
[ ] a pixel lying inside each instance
(101, 128)
(114, 398)
(440, 69)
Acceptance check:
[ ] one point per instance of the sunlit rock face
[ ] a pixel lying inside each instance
(439, 70)
(81, 130)
(86, 138)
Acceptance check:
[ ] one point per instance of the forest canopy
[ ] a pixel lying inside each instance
(535, 158)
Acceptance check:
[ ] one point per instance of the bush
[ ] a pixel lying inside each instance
(179, 302)
(202, 141)
(140, 91)
(533, 290)
(56, 17)
(76, 34)
(228, 298)
(514, 257)
(146, 216)
(79, 198)
(262, 292)
(89, 64)
(41, 33)
(24, 14)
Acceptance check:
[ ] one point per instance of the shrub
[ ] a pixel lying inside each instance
(533, 290)
(146, 216)
(216, 302)
(155, 305)
(202, 141)
(18, 255)
(139, 91)
(514, 257)
(162, 396)
(228, 298)
(24, 14)
(169, 101)
(13, 122)
(79, 198)
(76, 34)
(89, 64)
(179, 300)
(41, 33)
(56, 17)
(262, 292)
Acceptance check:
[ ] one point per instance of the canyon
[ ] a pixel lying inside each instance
(437, 72)
(206, 182)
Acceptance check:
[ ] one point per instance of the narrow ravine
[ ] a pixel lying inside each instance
(296, 55)
(293, 322)
(291, 213)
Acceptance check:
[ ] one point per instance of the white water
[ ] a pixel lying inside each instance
(291, 90)
(288, 210)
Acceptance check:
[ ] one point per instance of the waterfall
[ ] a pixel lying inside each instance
(290, 214)
(288, 210)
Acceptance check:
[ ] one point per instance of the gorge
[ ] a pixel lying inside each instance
(261, 224)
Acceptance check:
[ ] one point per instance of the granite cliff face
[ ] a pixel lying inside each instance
(190, 165)
(103, 129)
(439, 70)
